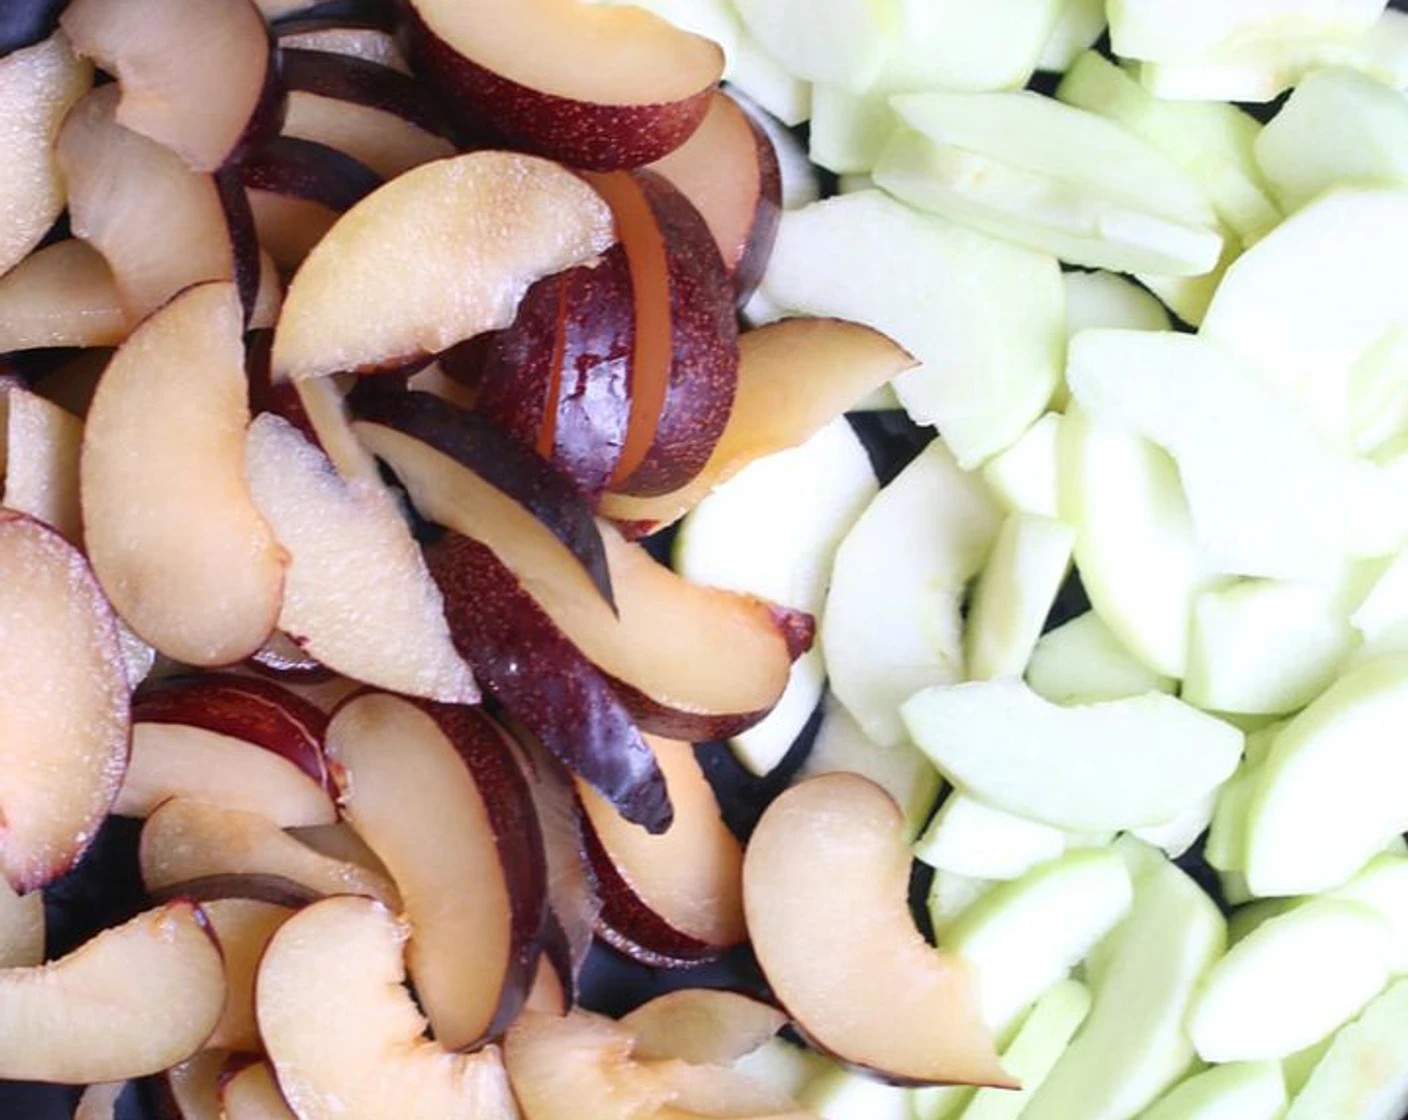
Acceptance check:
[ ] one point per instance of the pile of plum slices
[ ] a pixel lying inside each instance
(348, 359)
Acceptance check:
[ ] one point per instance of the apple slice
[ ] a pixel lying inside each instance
(371, 44)
(702, 1026)
(43, 444)
(136, 999)
(252, 1093)
(728, 169)
(678, 895)
(1364, 1071)
(61, 295)
(188, 841)
(357, 596)
(21, 928)
(161, 226)
(65, 657)
(777, 406)
(198, 77)
(38, 84)
(874, 993)
(644, 91)
(343, 1036)
(170, 526)
(417, 267)
(469, 863)
(243, 928)
(516, 648)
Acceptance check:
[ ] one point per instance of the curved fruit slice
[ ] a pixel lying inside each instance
(892, 624)
(171, 529)
(794, 377)
(161, 226)
(38, 84)
(468, 862)
(43, 444)
(874, 993)
(99, 1102)
(443, 253)
(198, 76)
(190, 1090)
(516, 648)
(519, 69)
(702, 1026)
(677, 895)
(344, 1037)
(64, 657)
(187, 841)
(1364, 1073)
(133, 1001)
(62, 295)
(252, 1093)
(728, 169)
(371, 44)
(242, 928)
(21, 928)
(1073, 767)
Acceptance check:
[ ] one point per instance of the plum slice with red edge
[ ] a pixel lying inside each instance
(519, 68)
(198, 76)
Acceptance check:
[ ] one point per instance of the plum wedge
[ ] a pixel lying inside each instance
(343, 1036)
(171, 529)
(243, 927)
(58, 777)
(441, 254)
(61, 295)
(517, 68)
(133, 1001)
(702, 1026)
(198, 76)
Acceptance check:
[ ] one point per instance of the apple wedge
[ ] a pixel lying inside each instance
(133, 1001)
(21, 928)
(873, 993)
(343, 1036)
(357, 594)
(515, 648)
(778, 406)
(61, 295)
(420, 265)
(702, 1026)
(252, 1093)
(518, 68)
(243, 928)
(38, 84)
(678, 896)
(190, 842)
(58, 778)
(161, 226)
(42, 444)
(199, 77)
(171, 529)
(468, 863)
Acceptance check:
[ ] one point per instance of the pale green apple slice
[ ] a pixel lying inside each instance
(1112, 765)
(958, 45)
(1024, 936)
(1135, 548)
(972, 839)
(1082, 662)
(1132, 1046)
(1238, 1091)
(1383, 887)
(848, 130)
(1105, 299)
(1330, 795)
(1175, 836)
(1338, 127)
(1015, 593)
(1267, 495)
(772, 531)
(843, 1094)
(838, 42)
(950, 897)
(1336, 950)
(983, 317)
(1382, 618)
(1034, 1052)
(1213, 142)
(1304, 304)
(1230, 664)
(891, 624)
(1152, 29)
(1023, 478)
(754, 71)
(1364, 1073)
(1226, 849)
(1378, 391)
(902, 771)
(781, 1065)
(1079, 25)
(1189, 297)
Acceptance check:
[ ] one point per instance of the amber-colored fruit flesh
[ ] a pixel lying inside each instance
(344, 1037)
(794, 377)
(825, 884)
(288, 227)
(193, 1086)
(62, 295)
(252, 1093)
(63, 703)
(21, 928)
(600, 55)
(243, 927)
(689, 876)
(41, 474)
(703, 1026)
(388, 144)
